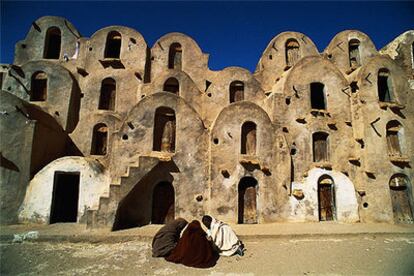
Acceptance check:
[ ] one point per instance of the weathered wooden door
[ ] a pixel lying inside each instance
(247, 201)
(401, 205)
(326, 203)
(163, 203)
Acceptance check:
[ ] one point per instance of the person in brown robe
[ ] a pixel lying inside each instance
(167, 237)
(193, 248)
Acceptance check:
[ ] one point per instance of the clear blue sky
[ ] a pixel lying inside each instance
(233, 33)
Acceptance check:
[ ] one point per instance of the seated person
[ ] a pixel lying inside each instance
(223, 237)
(193, 248)
(167, 237)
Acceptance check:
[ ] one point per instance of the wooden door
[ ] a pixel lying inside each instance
(163, 203)
(326, 203)
(247, 201)
(401, 205)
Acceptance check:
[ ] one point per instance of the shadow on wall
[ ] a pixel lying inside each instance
(151, 200)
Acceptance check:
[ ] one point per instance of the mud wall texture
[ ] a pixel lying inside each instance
(151, 133)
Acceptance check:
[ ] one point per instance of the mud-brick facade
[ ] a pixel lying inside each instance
(109, 131)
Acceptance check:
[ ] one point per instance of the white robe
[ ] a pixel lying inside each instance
(224, 237)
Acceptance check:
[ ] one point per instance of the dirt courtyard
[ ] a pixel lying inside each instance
(364, 254)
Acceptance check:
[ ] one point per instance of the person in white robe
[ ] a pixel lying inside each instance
(223, 236)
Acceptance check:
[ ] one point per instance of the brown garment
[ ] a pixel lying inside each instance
(167, 237)
(193, 248)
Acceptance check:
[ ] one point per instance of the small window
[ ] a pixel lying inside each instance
(172, 85)
(175, 56)
(292, 53)
(99, 139)
(236, 91)
(317, 94)
(320, 146)
(52, 43)
(164, 130)
(38, 92)
(113, 45)
(394, 130)
(248, 138)
(108, 94)
(354, 58)
(384, 85)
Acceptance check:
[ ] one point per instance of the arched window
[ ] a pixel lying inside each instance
(384, 83)
(175, 56)
(247, 203)
(113, 45)
(38, 90)
(99, 139)
(108, 94)
(320, 146)
(394, 130)
(172, 85)
(52, 43)
(317, 94)
(164, 130)
(163, 203)
(402, 202)
(326, 198)
(248, 138)
(236, 91)
(354, 58)
(292, 53)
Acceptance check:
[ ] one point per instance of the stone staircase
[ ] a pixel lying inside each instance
(105, 214)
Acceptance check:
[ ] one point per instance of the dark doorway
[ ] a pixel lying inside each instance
(400, 198)
(326, 199)
(65, 197)
(354, 59)
(236, 91)
(52, 43)
(108, 94)
(113, 45)
(164, 130)
(317, 95)
(247, 202)
(163, 203)
(248, 138)
(99, 139)
(384, 85)
(172, 85)
(38, 91)
(175, 56)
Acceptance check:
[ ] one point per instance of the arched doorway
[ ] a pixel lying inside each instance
(400, 198)
(326, 198)
(163, 203)
(247, 202)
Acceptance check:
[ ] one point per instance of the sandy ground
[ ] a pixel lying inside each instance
(364, 254)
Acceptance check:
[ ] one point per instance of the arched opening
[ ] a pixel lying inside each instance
(292, 53)
(354, 58)
(320, 146)
(108, 94)
(163, 203)
(248, 138)
(236, 91)
(99, 139)
(384, 85)
(175, 56)
(53, 41)
(247, 201)
(113, 45)
(326, 198)
(400, 190)
(164, 130)
(172, 85)
(38, 91)
(317, 93)
(65, 197)
(394, 130)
